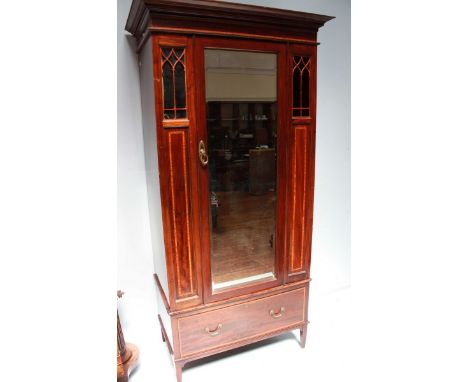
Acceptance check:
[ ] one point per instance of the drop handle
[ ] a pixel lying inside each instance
(279, 314)
(202, 154)
(215, 332)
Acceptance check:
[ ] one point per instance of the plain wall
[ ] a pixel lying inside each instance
(137, 309)
(331, 242)
(330, 267)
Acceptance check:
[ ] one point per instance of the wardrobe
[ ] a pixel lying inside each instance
(228, 96)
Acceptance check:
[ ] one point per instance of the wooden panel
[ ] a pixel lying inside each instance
(299, 197)
(240, 322)
(178, 187)
(243, 298)
(180, 214)
(301, 148)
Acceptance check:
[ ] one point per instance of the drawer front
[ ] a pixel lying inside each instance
(225, 326)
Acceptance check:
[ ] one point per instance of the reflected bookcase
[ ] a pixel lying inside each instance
(228, 96)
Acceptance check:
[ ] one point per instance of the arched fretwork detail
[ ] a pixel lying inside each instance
(174, 83)
(301, 86)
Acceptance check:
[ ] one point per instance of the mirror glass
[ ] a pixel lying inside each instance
(241, 98)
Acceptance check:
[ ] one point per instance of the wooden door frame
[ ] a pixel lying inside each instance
(200, 43)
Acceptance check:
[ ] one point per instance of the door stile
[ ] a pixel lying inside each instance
(202, 171)
(282, 162)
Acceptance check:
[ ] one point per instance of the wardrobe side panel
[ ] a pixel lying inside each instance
(151, 163)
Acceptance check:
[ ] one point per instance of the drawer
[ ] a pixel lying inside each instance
(225, 326)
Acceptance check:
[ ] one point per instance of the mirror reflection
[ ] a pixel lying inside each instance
(241, 100)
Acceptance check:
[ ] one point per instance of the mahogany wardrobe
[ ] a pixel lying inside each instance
(228, 96)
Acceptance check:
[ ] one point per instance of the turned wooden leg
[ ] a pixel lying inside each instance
(122, 375)
(179, 367)
(303, 336)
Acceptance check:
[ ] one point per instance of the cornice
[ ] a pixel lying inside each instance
(167, 16)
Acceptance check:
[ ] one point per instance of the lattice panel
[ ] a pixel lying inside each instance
(301, 86)
(174, 83)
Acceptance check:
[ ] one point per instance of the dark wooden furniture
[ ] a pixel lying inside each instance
(127, 353)
(221, 82)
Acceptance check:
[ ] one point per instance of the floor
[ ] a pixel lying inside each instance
(243, 239)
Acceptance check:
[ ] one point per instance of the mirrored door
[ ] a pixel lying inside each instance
(241, 174)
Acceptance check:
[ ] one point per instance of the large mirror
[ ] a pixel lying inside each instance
(241, 98)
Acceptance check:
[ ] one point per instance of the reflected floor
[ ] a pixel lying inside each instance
(243, 240)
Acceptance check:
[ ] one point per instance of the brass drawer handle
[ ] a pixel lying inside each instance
(202, 153)
(215, 332)
(277, 315)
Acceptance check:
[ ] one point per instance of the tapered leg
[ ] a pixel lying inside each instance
(162, 335)
(179, 367)
(303, 336)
